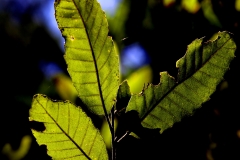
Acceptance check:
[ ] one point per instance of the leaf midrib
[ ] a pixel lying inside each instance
(94, 58)
(176, 83)
(64, 131)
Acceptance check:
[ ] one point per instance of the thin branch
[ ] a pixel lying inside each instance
(113, 135)
(127, 133)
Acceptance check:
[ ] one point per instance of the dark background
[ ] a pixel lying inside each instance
(31, 56)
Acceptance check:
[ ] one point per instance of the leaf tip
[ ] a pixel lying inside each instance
(165, 74)
(39, 96)
(36, 95)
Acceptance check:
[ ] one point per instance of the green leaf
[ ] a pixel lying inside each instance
(90, 53)
(123, 97)
(201, 69)
(69, 133)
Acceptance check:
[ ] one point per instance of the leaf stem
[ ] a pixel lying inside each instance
(127, 133)
(109, 123)
(113, 135)
(96, 67)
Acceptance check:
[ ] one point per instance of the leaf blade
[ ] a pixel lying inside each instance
(123, 97)
(200, 70)
(90, 54)
(69, 133)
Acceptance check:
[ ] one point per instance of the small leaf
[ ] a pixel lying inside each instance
(123, 96)
(200, 71)
(90, 54)
(70, 133)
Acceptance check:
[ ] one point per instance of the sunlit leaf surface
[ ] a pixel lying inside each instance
(90, 54)
(69, 133)
(201, 69)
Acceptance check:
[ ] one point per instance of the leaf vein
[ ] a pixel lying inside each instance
(210, 76)
(101, 48)
(95, 63)
(69, 115)
(92, 143)
(52, 132)
(56, 141)
(82, 60)
(104, 80)
(71, 157)
(98, 33)
(106, 60)
(147, 124)
(63, 149)
(100, 152)
(85, 83)
(198, 81)
(62, 130)
(110, 91)
(67, 8)
(181, 95)
(167, 111)
(90, 12)
(57, 112)
(213, 64)
(83, 49)
(90, 95)
(176, 104)
(77, 123)
(85, 133)
(67, 17)
(191, 89)
(155, 117)
(82, 71)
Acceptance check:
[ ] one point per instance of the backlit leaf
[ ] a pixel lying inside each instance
(69, 133)
(200, 71)
(90, 54)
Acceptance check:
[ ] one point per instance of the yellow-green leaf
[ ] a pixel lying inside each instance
(90, 54)
(201, 69)
(69, 133)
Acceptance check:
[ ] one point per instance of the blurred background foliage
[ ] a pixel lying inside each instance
(151, 35)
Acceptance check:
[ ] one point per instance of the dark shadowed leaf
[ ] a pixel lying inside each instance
(201, 69)
(123, 97)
